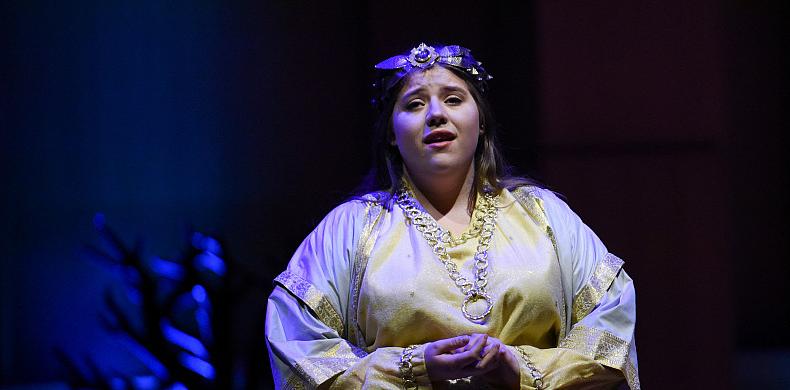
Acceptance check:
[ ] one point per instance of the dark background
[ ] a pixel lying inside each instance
(663, 122)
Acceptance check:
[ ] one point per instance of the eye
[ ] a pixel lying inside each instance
(414, 104)
(453, 100)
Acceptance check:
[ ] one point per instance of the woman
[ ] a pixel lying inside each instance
(454, 275)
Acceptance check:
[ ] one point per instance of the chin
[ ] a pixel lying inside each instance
(442, 168)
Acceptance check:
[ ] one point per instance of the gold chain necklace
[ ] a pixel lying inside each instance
(474, 231)
(433, 233)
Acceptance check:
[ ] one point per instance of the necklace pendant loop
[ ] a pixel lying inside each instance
(475, 296)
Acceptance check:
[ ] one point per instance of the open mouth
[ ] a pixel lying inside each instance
(438, 136)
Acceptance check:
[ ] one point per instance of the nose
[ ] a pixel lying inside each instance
(436, 115)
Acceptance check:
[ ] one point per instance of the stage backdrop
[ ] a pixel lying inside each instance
(662, 123)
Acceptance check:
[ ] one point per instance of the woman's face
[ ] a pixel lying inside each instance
(435, 123)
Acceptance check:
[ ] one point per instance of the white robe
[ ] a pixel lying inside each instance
(365, 284)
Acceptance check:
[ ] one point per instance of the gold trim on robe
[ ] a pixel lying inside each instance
(597, 344)
(534, 206)
(294, 382)
(320, 368)
(605, 348)
(631, 374)
(314, 298)
(592, 292)
(364, 248)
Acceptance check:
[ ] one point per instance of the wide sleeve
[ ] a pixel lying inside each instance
(598, 349)
(307, 322)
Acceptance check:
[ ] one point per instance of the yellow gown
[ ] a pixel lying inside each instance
(365, 284)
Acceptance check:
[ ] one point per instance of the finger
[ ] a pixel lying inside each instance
(489, 348)
(473, 338)
(473, 355)
(477, 347)
(509, 357)
(504, 356)
(448, 345)
(490, 359)
(493, 340)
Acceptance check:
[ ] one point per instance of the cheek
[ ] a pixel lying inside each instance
(474, 143)
(475, 121)
(404, 125)
(391, 136)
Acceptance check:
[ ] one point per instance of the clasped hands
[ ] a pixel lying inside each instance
(476, 355)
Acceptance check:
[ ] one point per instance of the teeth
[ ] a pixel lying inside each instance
(438, 138)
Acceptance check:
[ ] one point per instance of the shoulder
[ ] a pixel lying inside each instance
(348, 211)
(355, 211)
(548, 201)
(549, 209)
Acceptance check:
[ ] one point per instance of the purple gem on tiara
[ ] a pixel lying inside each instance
(423, 55)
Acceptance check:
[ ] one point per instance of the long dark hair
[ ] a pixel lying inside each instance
(492, 173)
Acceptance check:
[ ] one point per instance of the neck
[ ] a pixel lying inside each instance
(441, 195)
